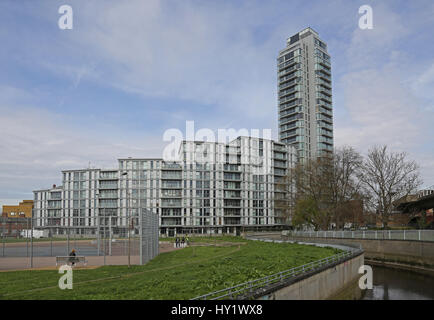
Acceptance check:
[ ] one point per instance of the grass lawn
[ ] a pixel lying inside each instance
(181, 274)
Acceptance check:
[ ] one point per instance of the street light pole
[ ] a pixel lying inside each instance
(128, 220)
(98, 235)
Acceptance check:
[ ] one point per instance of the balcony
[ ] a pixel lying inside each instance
(290, 83)
(108, 175)
(325, 63)
(324, 103)
(283, 108)
(323, 75)
(280, 164)
(324, 97)
(325, 125)
(171, 176)
(108, 186)
(325, 140)
(324, 90)
(289, 70)
(290, 76)
(296, 88)
(171, 166)
(232, 177)
(323, 69)
(326, 133)
(326, 111)
(323, 82)
(293, 96)
(322, 117)
(111, 195)
(231, 168)
(166, 185)
(289, 62)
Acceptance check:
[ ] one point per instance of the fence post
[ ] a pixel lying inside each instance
(51, 242)
(31, 241)
(27, 237)
(376, 234)
(352, 234)
(404, 234)
(363, 234)
(419, 235)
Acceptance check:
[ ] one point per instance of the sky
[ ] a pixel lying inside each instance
(130, 70)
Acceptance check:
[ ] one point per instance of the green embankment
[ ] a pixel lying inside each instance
(181, 274)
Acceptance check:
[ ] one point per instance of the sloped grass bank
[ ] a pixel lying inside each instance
(181, 274)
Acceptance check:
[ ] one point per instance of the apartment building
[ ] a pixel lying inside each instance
(214, 188)
(305, 110)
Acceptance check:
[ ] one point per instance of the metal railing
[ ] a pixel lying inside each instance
(248, 289)
(414, 235)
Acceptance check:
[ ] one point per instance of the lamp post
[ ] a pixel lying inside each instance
(97, 223)
(128, 221)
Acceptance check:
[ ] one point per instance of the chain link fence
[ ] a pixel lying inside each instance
(102, 236)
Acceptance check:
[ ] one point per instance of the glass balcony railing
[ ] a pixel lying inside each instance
(327, 104)
(325, 125)
(296, 88)
(324, 97)
(289, 70)
(324, 90)
(325, 139)
(322, 68)
(322, 61)
(322, 74)
(323, 82)
(290, 83)
(291, 97)
(322, 117)
(293, 75)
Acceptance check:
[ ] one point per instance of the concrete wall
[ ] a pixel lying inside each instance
(397, 251)
(340, 281)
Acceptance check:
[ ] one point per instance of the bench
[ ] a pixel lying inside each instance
(68, 259)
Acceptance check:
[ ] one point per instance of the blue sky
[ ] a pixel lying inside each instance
(130, 70)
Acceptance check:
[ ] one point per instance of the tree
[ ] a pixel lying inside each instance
(386, 177)
(328, 183)
(345, 189)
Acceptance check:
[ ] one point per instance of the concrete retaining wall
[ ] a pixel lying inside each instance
(326, 284)
(419, 253)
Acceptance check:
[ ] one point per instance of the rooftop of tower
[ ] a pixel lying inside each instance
(303, 33)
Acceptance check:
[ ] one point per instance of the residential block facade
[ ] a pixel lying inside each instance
(214, 188)
(305, 109)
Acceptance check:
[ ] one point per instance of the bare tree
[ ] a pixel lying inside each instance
(386, 177)
(343, 184)
(325, 188)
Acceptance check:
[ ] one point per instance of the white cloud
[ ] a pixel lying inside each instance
(381, 104)
(36, 145)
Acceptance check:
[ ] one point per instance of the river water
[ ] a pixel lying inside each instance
(394, 284)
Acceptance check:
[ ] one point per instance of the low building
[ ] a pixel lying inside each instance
(22, 210)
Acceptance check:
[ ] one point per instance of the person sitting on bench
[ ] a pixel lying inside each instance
(72, 257)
